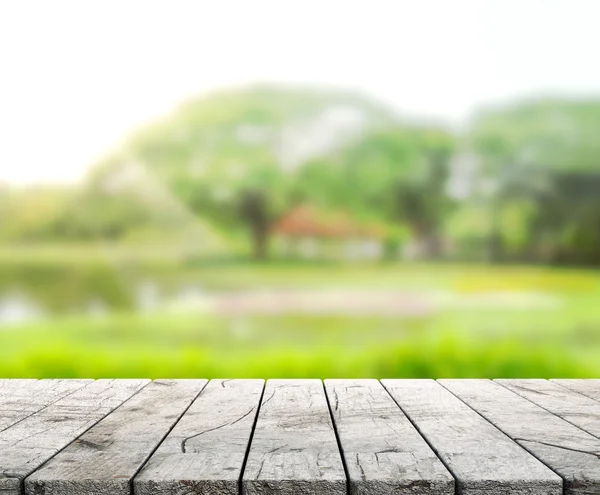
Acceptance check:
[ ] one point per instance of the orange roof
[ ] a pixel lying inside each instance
(305, 221)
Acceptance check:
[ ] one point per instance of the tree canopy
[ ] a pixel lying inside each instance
(237, 160)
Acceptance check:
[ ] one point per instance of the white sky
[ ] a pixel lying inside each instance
(77, 77)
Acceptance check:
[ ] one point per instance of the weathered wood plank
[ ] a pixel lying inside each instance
(205, 451)
(15, 399)
(590, 388)
(567, 404)
(481, 458)
(105, 459)
(383, 451)
(568, 450)
(12, 383)
(294, 449)
(22, 398)
(26, 445)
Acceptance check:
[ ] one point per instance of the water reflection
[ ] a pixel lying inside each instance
(185, 296)
(17, 308)
(147, 296)
(22, 302)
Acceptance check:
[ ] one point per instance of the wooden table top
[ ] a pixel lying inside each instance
(357, 436)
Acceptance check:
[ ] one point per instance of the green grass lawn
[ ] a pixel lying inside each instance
(560, 341)
(294, 346)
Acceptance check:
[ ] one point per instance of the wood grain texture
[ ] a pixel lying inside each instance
(26, 445)
(481, 458)
(72, 437)
(383, 451)
(104, 460)
(567, 404)
(20, 399)
(205, 451)
(568, 450)
(590, 388)
(294, 449)
(12, 384)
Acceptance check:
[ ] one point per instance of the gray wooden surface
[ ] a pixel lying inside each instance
(205, 452)
(567, 449)
(383, 451)
(20, 399)
(306, 437)
(567, 404)
(26, 445)
(104, 460)
(294, 448)
(482, 459)
(589, 388)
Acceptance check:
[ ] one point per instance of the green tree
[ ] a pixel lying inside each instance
(232, 156)
(394, 173)
(531, 152)
(250, 193)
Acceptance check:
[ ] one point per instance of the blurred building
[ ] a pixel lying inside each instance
(306, 233)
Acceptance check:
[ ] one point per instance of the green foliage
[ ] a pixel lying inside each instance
(554, 134)
(402, 174)
(31, 214)
(229, 164)
(395, 239)
(159, 346)
(397, 174)
(230, 157)
(542, 156)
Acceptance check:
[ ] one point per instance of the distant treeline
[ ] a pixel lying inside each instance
(521, 183)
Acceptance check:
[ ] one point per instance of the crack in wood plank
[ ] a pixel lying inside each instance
(185, 440)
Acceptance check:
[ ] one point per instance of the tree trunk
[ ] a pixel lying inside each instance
(260, 242)
(254, 211)
(495, 241)
(427, 238)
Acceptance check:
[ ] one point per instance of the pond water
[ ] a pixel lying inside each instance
(23, 302)
(31, 295)
(32, 292)
(17, 308)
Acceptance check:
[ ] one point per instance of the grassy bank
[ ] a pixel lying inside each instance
(451, 344)
(467, 339)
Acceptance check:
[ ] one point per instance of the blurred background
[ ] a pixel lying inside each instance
(273, 189)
